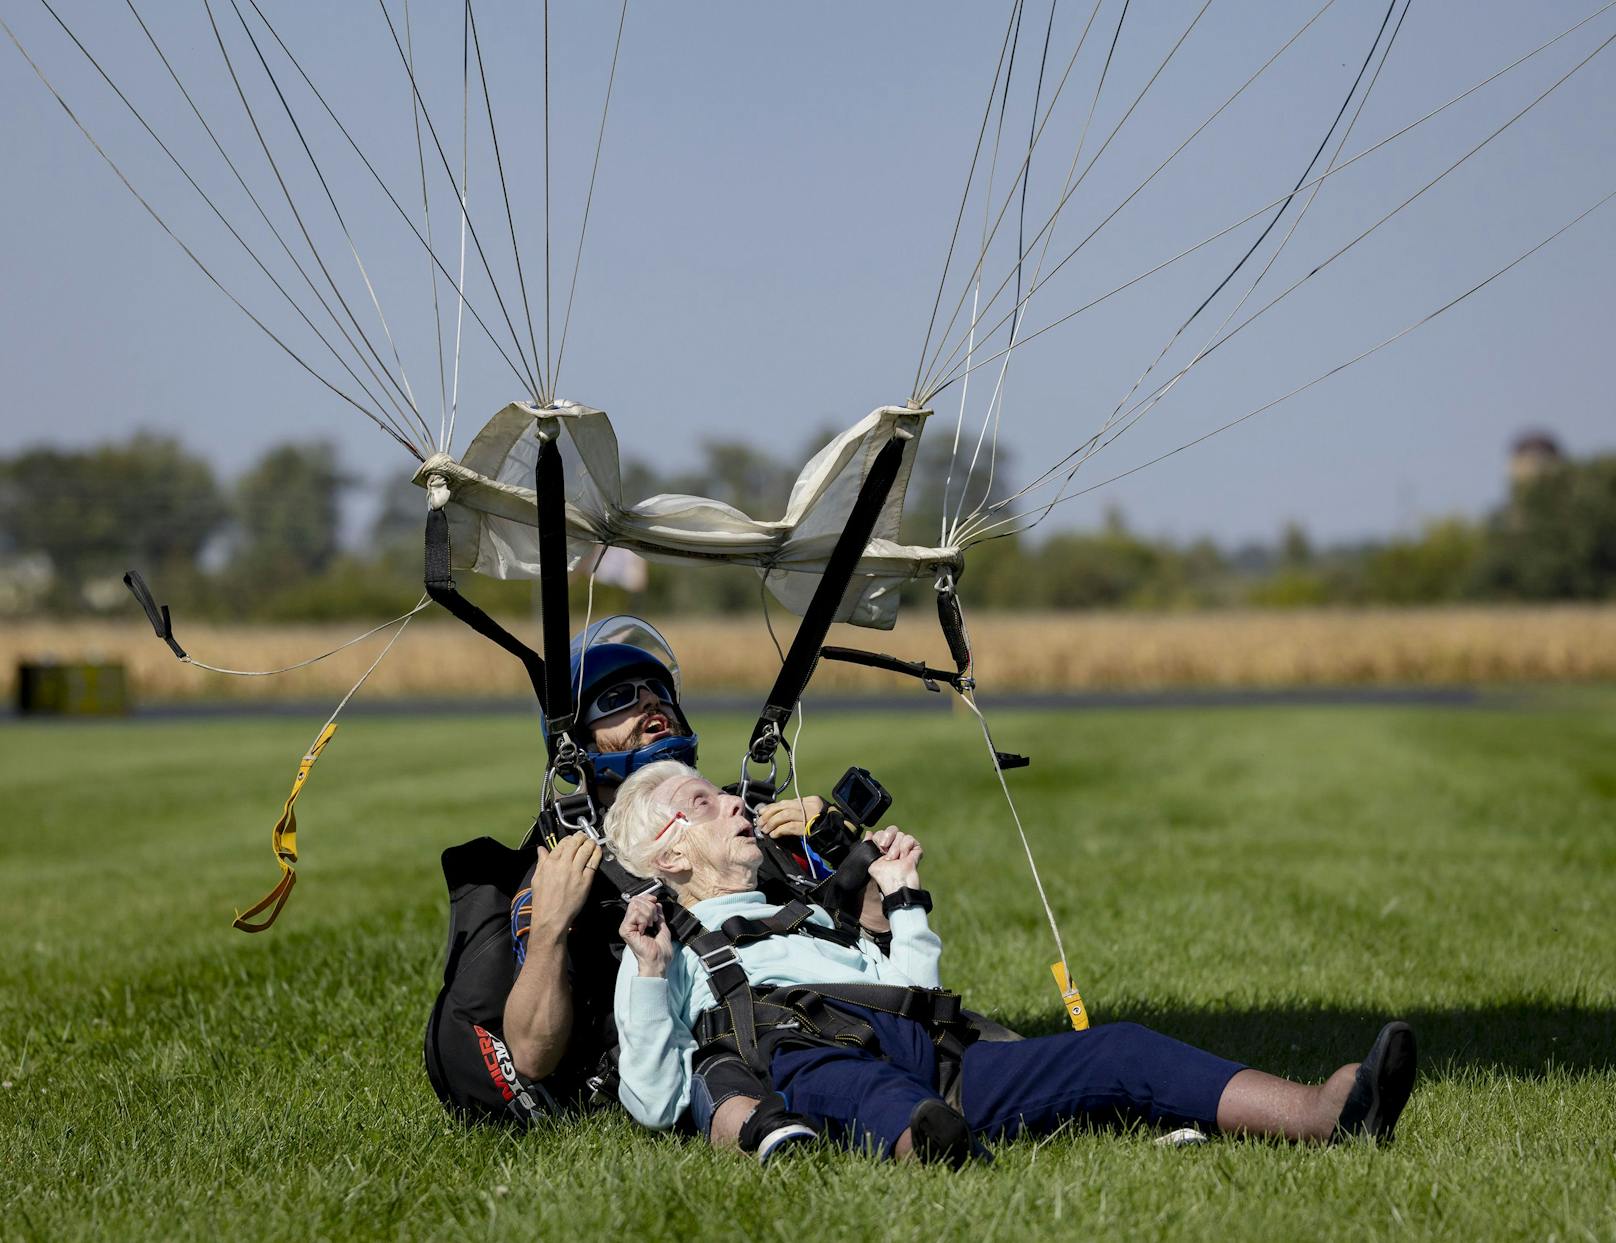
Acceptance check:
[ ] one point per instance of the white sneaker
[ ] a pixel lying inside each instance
(783, 1137)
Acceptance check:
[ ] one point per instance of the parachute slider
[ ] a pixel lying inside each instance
(155, 613)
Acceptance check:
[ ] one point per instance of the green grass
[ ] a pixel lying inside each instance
(1269, 883)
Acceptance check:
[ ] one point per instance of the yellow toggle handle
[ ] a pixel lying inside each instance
(1069, 997)
(283, 839)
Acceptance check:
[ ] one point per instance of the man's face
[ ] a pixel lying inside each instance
(647, 718)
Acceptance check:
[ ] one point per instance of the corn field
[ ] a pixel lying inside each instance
(436, 658)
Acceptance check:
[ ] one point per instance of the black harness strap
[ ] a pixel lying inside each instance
(792, 917)
(952, 620)
(842, 892)
(440, 585)
(155, 613)
(550, 486)
(892, 664)
(799, 663)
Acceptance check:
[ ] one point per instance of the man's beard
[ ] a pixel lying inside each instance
(640, 738)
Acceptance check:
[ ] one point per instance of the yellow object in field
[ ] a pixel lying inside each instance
(1069, 997)
(283, 839)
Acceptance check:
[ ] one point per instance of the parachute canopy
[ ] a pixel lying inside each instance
(493, 510)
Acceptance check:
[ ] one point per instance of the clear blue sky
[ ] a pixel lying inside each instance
(769, 224)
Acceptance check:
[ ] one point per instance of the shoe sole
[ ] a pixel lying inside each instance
(938, 1133)
(1390, 1066)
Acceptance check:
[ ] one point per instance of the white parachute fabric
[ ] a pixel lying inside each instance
(493, 510)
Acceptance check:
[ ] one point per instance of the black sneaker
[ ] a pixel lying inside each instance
(1382, 1086)
(939, 1134)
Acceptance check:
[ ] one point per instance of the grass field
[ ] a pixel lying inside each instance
(1270, 883)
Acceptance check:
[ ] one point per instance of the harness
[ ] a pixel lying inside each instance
(466, 1060)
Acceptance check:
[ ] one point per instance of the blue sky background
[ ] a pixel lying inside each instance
(769, 224)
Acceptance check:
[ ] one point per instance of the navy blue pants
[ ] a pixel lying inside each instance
(1117, 1072)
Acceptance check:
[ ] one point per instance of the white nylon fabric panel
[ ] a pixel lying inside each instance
(493, 510)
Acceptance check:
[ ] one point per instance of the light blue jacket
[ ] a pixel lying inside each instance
(656, 1017)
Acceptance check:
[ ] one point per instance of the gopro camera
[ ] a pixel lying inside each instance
(860, 798)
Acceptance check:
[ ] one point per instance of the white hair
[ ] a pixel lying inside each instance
(636, 816)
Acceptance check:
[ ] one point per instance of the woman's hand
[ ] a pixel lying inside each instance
(790, 818)
(899, 864)
(646, 934)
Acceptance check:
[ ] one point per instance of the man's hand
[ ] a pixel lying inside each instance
(899, 864)
(790, 818)
(646, 934)
(561, 882)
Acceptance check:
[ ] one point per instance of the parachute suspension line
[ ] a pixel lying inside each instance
(1352, 93)
(958, 371)
(948, 363)
(1221, 337)
(379, 415)
(353, 248)
(460, 195)
(539, 395)
(426, 214)
(976, 283)
(482, 255)
(589, 613)
(283, 838)
(301, 270)
(392, 198)
(403, 623)
(402, 384)
(589, 199)
(1319, 379)
(965, 193)
(929, 368)
(996, 399)
(549, 396)
(398, 621)
(969, 697)
(1099, 439)
(192, 256)
(297, 216)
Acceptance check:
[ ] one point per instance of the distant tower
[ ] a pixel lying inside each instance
(1533, 455)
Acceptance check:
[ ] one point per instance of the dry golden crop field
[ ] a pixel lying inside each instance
(1015, 653)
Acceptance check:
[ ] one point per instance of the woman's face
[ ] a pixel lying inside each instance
(717, 844)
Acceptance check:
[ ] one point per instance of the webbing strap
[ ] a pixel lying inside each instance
(550, 486)
(952, 620)
(793, 917)
(440, 585)
(283, 840)
(156, 613)
(798, 665)
(893, 664)
(842, 892)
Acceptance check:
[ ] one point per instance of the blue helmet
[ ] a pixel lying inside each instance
(614, 650)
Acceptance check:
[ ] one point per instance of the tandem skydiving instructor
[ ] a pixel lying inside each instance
(558, 1019)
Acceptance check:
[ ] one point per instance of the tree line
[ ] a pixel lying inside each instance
(266, 545)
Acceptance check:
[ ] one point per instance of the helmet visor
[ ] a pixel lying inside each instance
(635, 632)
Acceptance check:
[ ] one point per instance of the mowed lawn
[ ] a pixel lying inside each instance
(1272, 883)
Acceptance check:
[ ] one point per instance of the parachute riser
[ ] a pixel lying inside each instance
(768, 734)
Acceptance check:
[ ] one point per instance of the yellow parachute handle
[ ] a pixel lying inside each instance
(283, 840)
(1069, 997)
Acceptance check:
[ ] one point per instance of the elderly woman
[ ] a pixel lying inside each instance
(670, 823)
